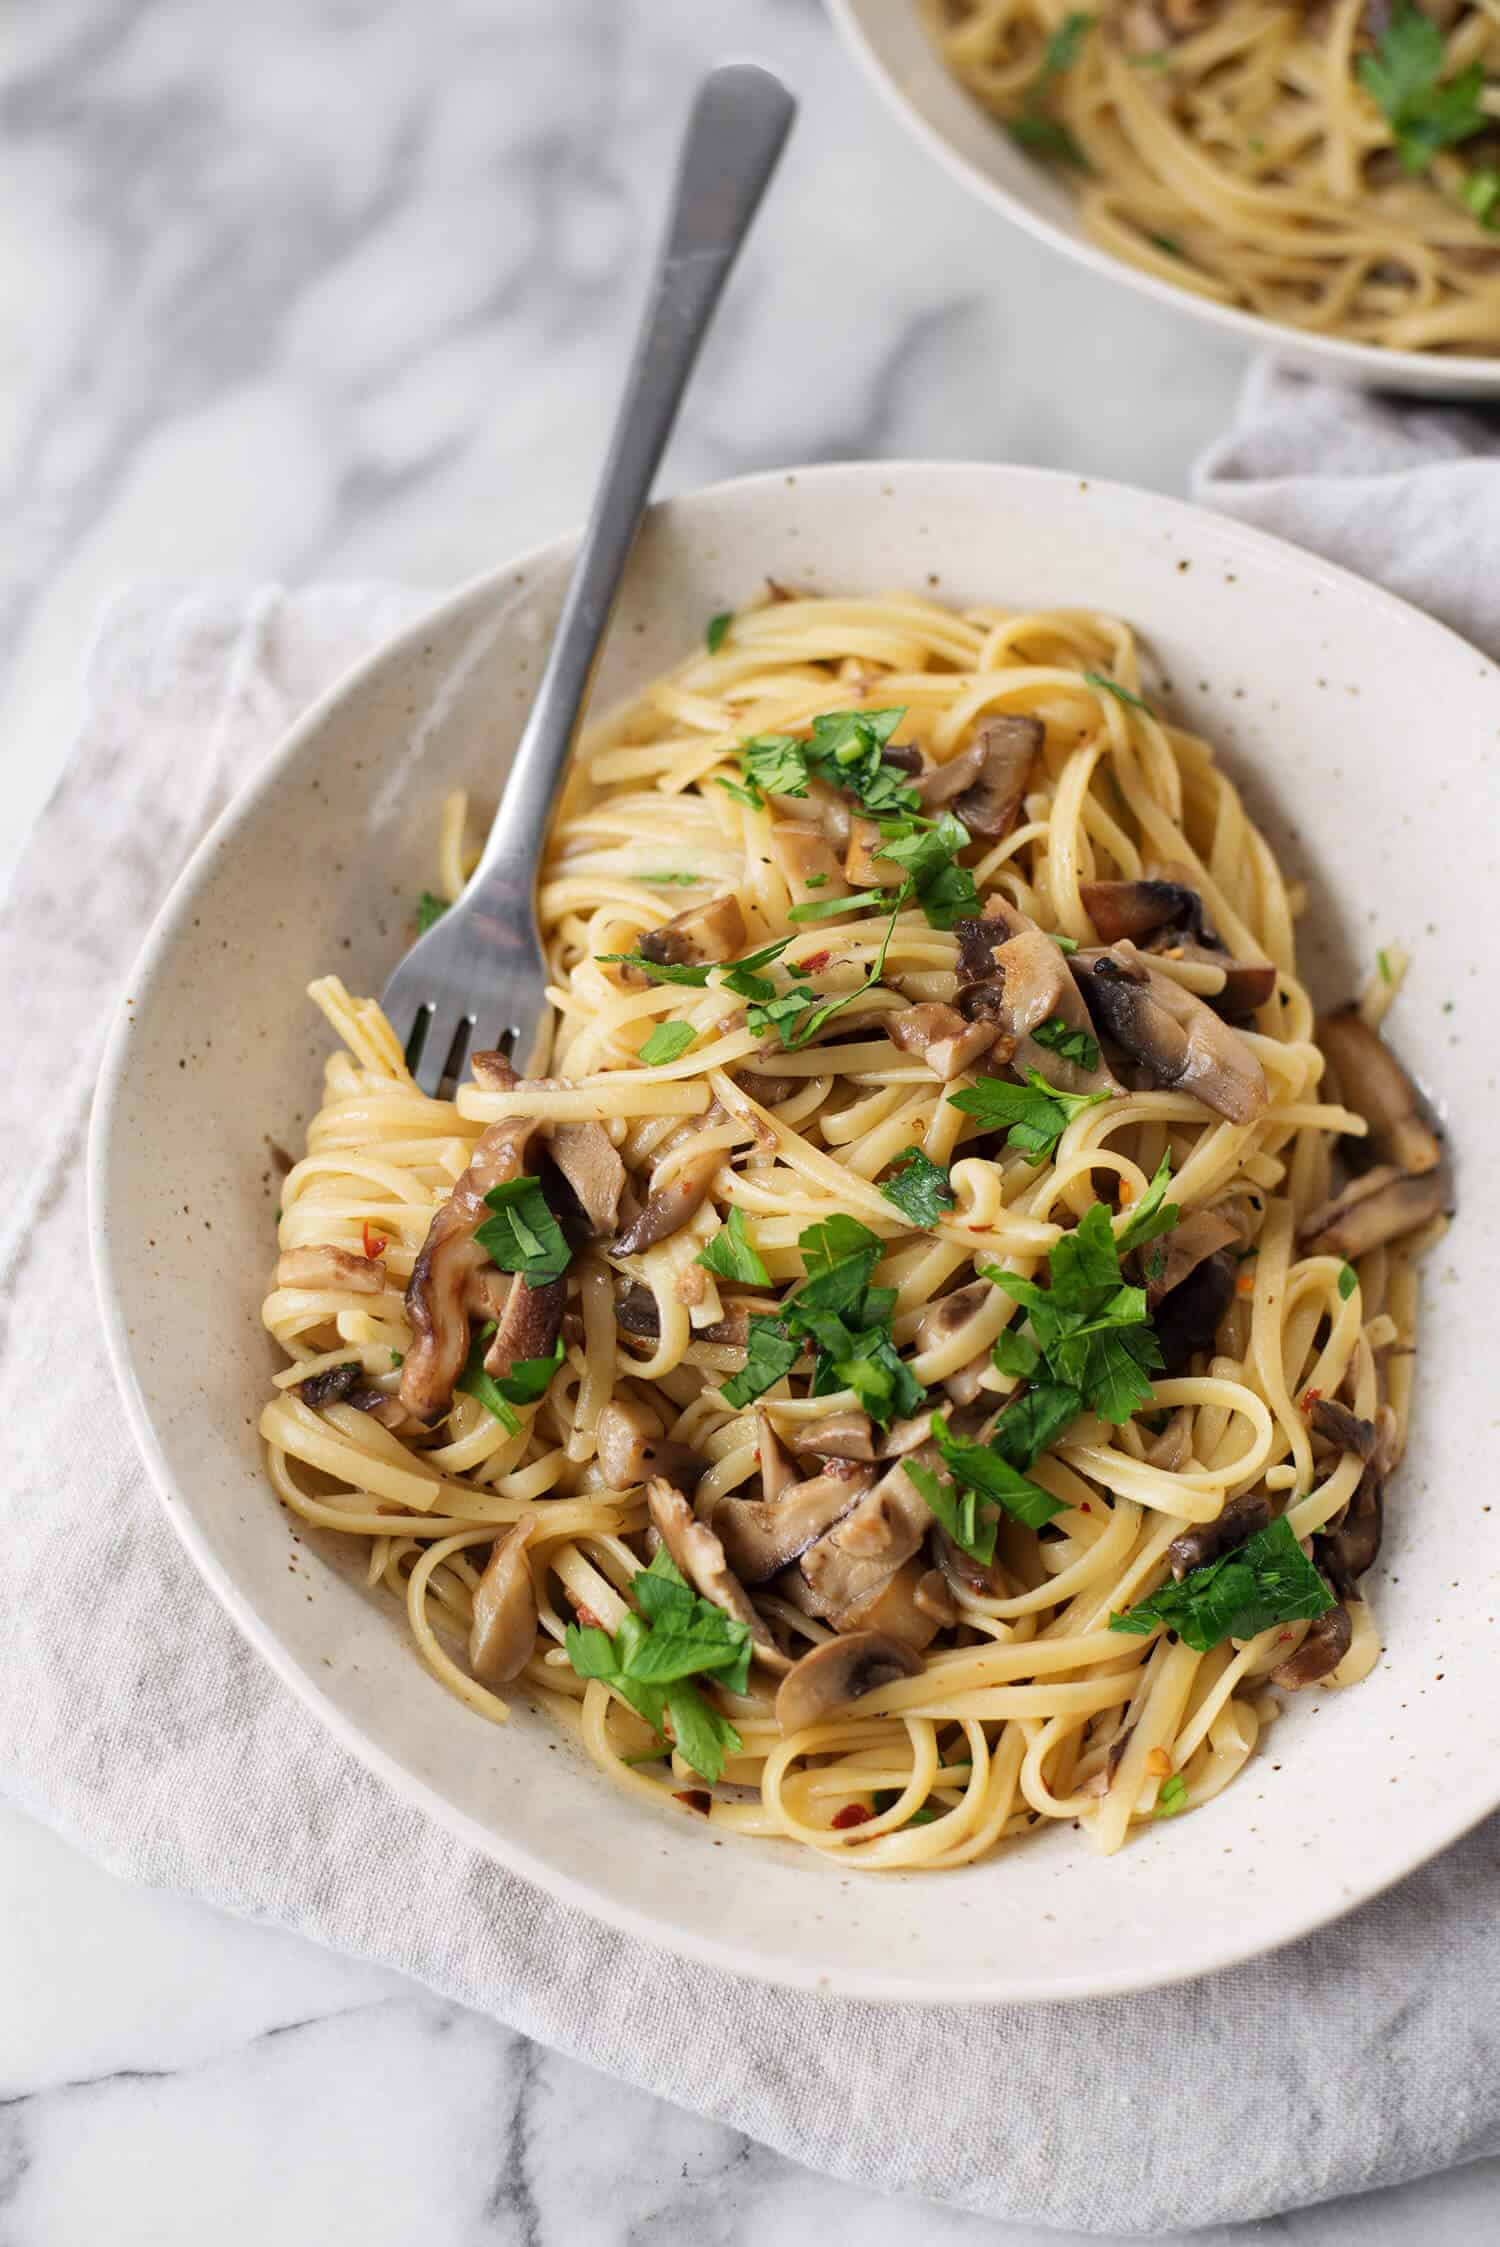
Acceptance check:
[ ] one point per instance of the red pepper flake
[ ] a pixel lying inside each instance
(1282, 1637)
(852, 1814)
(586, 1616)
(815, 963)
(376, 1244)
(696, 1798)
(1084, 1507)
(1310, 1398)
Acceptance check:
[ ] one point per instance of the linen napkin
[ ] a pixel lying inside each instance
(1361, 2057)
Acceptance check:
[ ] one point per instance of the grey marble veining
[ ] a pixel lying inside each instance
(343, 288)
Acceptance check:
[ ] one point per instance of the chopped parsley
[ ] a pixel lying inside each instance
(730, 1255)
(1348, 1281)
(1071, 1045)
(1036, 1112)
(716, 629)
(1090, 1328)
(1383, 962)
(661, 971)
(1121, 694)
(825, 908)
(669, 1041)
(674, 1637)
(1063, 943)
(1479, 194)
(670, 879)
(430, 910)
(526, 1382)
(927, 851)
(751, 796)
(847, 1321)
(919, 1188)
(983, 1486)
(1266, 1580)
(523, 1235)
(1036, 127)
(846, 749)
(1404, 78)
(1172, 1798)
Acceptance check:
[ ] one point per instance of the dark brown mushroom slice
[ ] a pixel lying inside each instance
(768, 1089)
(589, 1161)
(1373, 1209)
(630, 1447)
(762, 1536)
(321, 1267)
(838, 1672)
(1345, 1552)
(1322, 1649)
(503, 1632)
(1187, 1320)
(437, 1293)
(838, 1435)
(332, 1385)
(387, 1409)
(1376, 1086)
(1167, 1263)
(903, 756)
(712, 931)
(1243, 1517)
(1179, 1040)
(1343, 1427)
(667, 1211)
(1138, 909)
(700, 1556)
(636, 1313)
(1031, 985)
(984, 785)
(777, 1474)
(528, 1325)
(941, 1038)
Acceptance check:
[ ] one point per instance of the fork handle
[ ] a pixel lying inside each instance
(739, 121)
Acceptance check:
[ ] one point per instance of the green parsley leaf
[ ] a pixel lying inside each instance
(779, 1014)
(730, 1255)
(846, 750)
(1348, 1281)
(919, 1188)
(1404, 78)
(1092, 1330)
(816, 881)
(971, 1526)
(523, 1235)
(1034, 128)
(1063, 943)
(1152, 1214)
(1167, 246)
(750, 796)
(769, 1355)
(668, 879)
(886, 1798)
(776, 762)
(659, 970)
(716, 629)
(983, 1482)
(1266, 1580)
(1034, 1421)
(1383, 962)
(1036, 1112)
(1065, 45)
(526, 1382)
(1014, 1354)
(674, 1637)
(1480, 192)
(826, 908)
(667, 1042)
(927, 852)
(1121, 694)
(1172, 1798)
(430, 910)
(1072, 1045)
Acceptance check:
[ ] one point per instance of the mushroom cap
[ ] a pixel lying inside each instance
(504, 1628)
(1378, 1207)
(839, 1671)
(669, 1210)
(1374, 1083)
(1322, 1649)
(1182, 1042)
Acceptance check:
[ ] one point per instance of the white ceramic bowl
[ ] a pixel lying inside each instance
(1365, 736)
(890, 41)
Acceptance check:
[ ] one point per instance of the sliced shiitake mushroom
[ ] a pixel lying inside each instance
(700, 1556)
(667, 1211)
(1181, 1042)
(712, 931)
(1376, 1086)
(446, 1266)
(1373, 1209)
(1321, 1651)
(1343, 1427)
(586, 1156)
(761, 1536)
(838, 1672)
(941, 1038)
(1206, 1540)
(630, 1447)
(504, 1628)
(984, 784)
(839, 1435)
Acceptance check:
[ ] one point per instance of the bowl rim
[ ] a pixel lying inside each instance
(1463, 1809)
(1372, 366)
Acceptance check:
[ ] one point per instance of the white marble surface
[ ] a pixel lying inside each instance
(343, 287)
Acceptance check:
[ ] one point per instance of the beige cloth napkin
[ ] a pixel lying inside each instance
(135, 1720)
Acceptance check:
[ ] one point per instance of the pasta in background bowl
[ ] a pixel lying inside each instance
(1353, 234)
(1312, 689)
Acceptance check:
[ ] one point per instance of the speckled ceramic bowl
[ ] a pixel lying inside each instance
(1365, 737)
(890, 42)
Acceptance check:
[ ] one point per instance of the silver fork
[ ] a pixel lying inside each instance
(477, 978)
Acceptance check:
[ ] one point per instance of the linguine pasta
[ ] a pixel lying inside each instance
(1332, 166)
(884, 1659)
